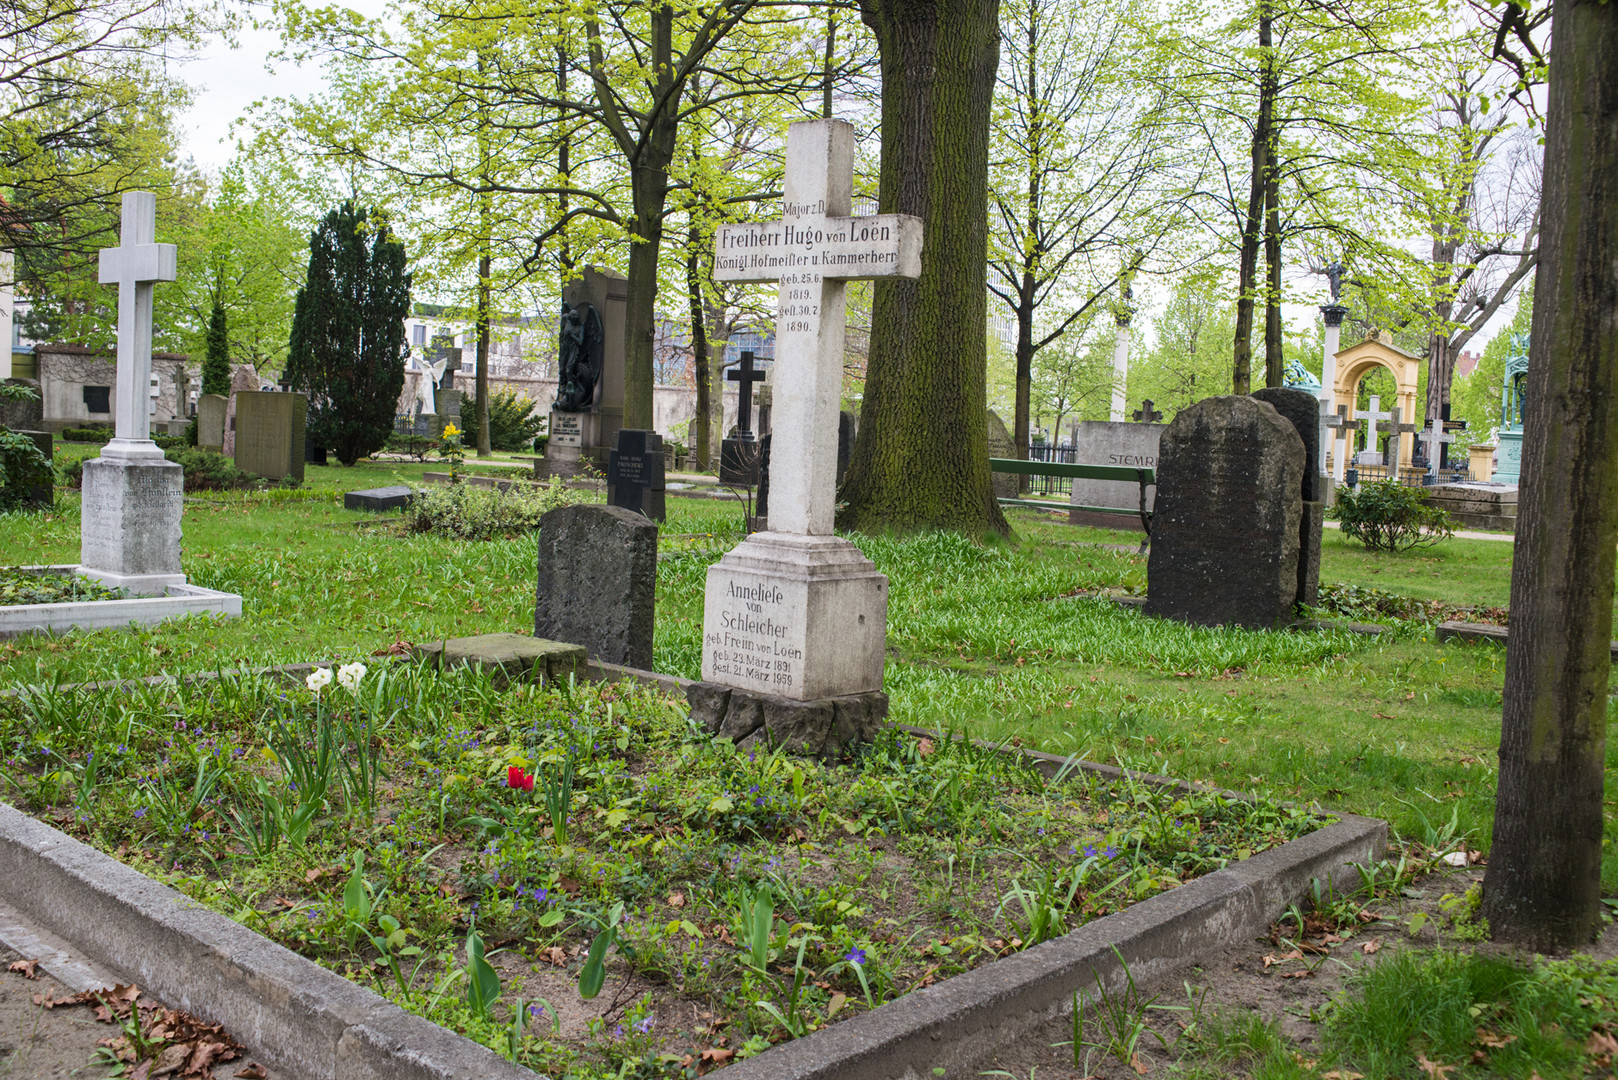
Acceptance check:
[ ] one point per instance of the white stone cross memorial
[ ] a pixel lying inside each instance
(1372, 415)
(797, 612)
(132, 495)
(135, 265)
(1434, 437)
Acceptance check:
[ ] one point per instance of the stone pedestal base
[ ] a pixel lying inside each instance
(798, 617)
(828, 728)
(1508, 458)
(130, 524)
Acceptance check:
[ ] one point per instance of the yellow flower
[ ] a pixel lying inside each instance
(451, 431)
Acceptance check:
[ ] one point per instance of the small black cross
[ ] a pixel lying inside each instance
(1147, 413)
(747, 375)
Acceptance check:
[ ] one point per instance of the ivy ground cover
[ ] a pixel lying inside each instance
(577, 877)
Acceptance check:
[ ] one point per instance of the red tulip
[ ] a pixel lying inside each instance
(519, 780)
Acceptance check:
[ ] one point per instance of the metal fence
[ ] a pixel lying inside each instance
(1410, 476)
(1047, 486)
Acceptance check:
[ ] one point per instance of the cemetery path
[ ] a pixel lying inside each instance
(1464, 534)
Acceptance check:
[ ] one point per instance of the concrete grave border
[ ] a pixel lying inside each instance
(180, 600)
(314, 1024)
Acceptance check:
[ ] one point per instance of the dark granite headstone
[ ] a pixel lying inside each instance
(1225, 533)
(635, 471)
(382, 498)
(846, 426)
(23, 415)
(598, 582)
(42, 496)
(1302, 410)
(739, 459)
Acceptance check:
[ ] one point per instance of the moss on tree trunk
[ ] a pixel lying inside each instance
(921, 457)
(1544, 881)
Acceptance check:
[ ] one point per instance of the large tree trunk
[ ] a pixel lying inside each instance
(650, 190)
(1253, 228)
(1025, 290)
(1025, 370)
(1544, 880)
(700, 423)
(921, 459)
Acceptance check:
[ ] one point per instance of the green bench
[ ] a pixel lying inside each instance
(1127, 474)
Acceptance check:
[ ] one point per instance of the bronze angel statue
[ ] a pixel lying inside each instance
(579, 355)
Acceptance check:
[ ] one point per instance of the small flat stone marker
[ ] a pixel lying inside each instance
(382, 498)
(514, 658)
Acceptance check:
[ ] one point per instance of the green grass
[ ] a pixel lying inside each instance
(990, 638)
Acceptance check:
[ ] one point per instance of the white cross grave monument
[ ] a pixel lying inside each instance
(797, 612)
(1371, 455)
(130, 517)
(1434, 437)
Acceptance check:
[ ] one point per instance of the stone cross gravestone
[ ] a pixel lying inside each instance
(798, 614)
(132, 496)
(1302, 410)
(1371, 455)
(1431, 439)
(1147, 413)
(1230, 474)
(597, 582)
(739, 459)
(270, 427)
(635, 471)
(1395, 458)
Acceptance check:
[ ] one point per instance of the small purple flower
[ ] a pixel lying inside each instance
(1109, 852)
(140, 812)
(855, 956)
(536, 1011)
(1089, 851)
(644, 1025)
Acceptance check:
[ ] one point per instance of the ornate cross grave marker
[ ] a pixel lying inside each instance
(1396, 431)
(1431, 440)
(1146, 413)
(740, 456)
(1330, 425)
(796, 612)
(1372, 415)
(135, 265)
(745, 374)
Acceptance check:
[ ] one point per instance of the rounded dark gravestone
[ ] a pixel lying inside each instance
(597, 582)
(1302, 410)
(1225, 532)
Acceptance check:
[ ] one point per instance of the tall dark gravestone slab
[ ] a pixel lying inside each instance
(1229, 506)
(635, 473)
(1302, 410)
(847, 425)
(598, 582)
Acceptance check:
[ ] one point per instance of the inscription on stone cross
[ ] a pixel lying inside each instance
(135, 265)
(796, 612)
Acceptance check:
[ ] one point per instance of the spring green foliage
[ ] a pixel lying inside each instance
(861, 875)
(216, 364)
(1385, 515)
(22, 464)
(514, 420)
(347, 349)
(20, 587)
(468, 512)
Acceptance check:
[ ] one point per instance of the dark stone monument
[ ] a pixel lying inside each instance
(761, 505)
(23, 415)
(598, 582)
(635, 470)
(847, 425)
(1230, 475)
(579, 357)
(1302, 410)
(739, 455)
(591, 349)
(382, 498)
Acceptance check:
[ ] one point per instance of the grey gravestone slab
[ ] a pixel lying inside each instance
(23, 415)
(1229, 509)
(382, 498)
(597, 582)
(211, 421)
(270, 433)
(130, 512)
(512, 658)
(635, 472)
(1001, 445)
(1302, 410)
(1106, 442)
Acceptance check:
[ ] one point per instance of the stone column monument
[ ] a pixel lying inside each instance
(130, 529)
(8, 274)
(589, 406)
(1332, 457)
(795, 619)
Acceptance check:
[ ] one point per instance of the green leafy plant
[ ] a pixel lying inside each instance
(482, 981)
(557, 791)
(420, 447)
(1118, 1019)
(1385, 515)
(469, 512)
(514, 420)
(593, 975)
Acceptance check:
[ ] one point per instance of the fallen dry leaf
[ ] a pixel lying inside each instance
(171, 1060)
(1295, 954)
(555, 955)
(1433, 1069)
(717, 1057)
(253, 1071)
(837, 1002)
(1136, 1063)
(677, 900)
(1495, 1040)
(925, 747)
(1304, 974)
(26, 968)
(1342, 1074)
(1600, 1043)
(1369, 947)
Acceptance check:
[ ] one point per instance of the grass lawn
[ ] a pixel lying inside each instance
(993, 639)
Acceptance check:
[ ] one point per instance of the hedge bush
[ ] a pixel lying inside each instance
(1384, 515)
(475, 512)
(514, 420)
(205, 470)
